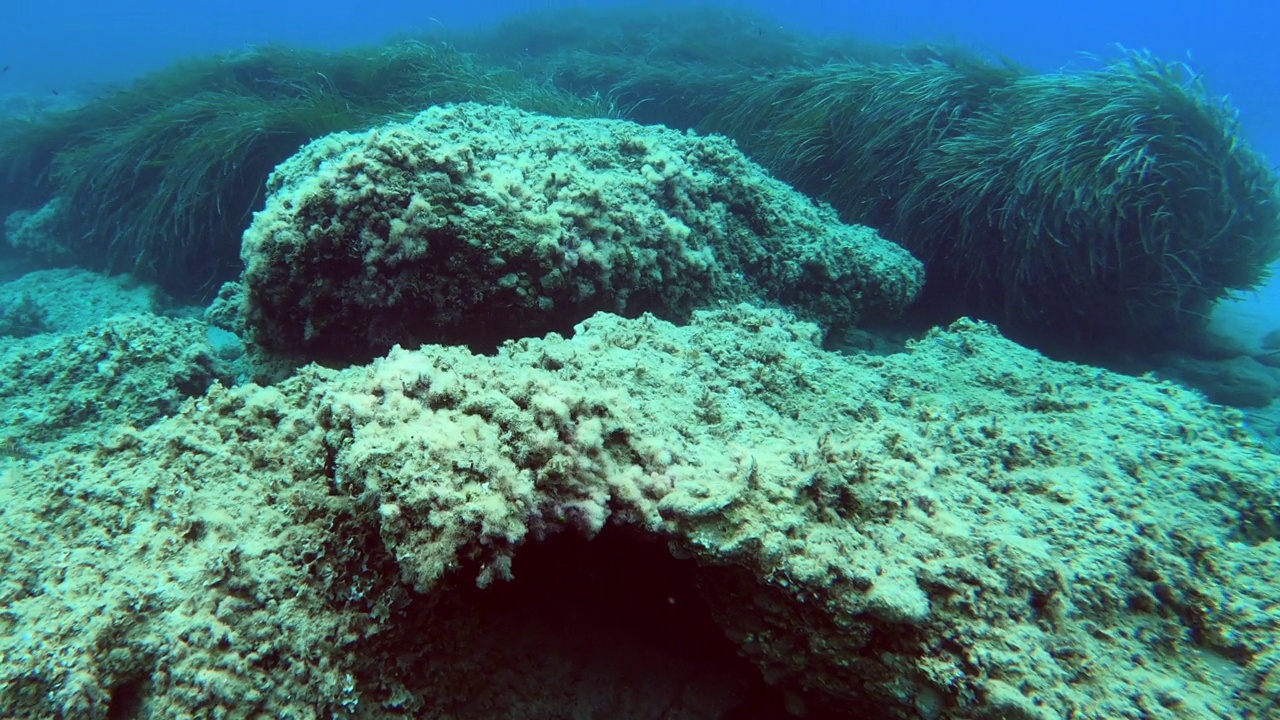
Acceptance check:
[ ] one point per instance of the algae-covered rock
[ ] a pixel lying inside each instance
(73, 387)
(81, 353)
(21, 316)
(40, 233)
(961, 530)
(478, 224)
(73, 299)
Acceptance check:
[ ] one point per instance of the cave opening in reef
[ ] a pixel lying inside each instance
(614, 627)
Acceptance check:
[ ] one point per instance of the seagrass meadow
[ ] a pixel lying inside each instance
(1096, 205)
(1112, 203)
(161, 178)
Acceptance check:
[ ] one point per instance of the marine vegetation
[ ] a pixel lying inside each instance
(666, 65)
(1101, 205)
(160, 179)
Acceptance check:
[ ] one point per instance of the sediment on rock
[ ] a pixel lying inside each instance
(963, 530)
(478, 224)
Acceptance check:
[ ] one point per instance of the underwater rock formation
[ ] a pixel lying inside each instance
(37, 234)
(126, 370)
(961, 530)
(81, 354)
(478, 224)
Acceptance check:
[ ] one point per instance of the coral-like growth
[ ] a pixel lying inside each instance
(21, 316)
(478, 224)
(127, 370)
(40, 234)
(935, 533)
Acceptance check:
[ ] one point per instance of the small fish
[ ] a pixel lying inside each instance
(55, 92)
(4, 70)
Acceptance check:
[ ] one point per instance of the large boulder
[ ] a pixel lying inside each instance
(476, 224)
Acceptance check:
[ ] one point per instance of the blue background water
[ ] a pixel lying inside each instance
(64, 45)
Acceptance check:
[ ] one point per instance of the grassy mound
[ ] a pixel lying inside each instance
(161, 179)
(853, 133)
(1103, 206)
(1133, 212)
(667, 65)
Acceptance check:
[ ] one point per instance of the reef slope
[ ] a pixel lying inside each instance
(964, 529)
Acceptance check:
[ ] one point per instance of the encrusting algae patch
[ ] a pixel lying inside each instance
(964, 530)
(474, 224)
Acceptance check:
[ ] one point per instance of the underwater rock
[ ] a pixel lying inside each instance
(21, 316)
(478, 224)
(1240, 382)
(38, 233)
(71, 388)
(73, 299)
(81, 353)
(963, 530)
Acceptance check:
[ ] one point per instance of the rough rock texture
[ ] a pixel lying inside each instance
(72, 299)
(21, 316)
(37, 233)
(478, 224)
(127, 370)
(961, 530)
(81, 353)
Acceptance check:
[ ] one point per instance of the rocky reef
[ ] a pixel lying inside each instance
(655, 520)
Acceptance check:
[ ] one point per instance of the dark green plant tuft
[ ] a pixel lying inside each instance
(161, 179)
(1116, 204)
(853, 133)
(166, 196)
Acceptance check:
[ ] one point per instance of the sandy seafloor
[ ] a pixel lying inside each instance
(1036, 537)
